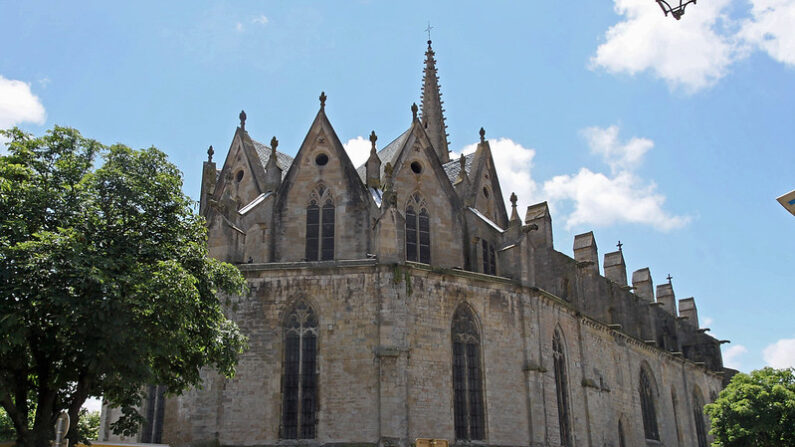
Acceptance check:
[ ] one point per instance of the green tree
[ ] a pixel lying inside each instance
(105, 282)
(88, 425)
(755, 410)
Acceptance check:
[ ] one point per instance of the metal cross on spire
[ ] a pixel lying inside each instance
(669, 278)
(619, 245)
(428, 30)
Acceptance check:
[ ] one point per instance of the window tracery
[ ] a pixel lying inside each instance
(418, 230)
(467, 377)
(320, 225)
(561, 387)
(299, 380)
(647, 407)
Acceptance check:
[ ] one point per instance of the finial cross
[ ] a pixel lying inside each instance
(669, 278)
(428, 30)
(619, 245)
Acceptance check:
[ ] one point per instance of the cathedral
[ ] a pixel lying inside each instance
(400, 300)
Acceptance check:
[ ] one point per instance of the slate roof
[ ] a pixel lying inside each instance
(453, 167)
(386, 154)
(284, 161)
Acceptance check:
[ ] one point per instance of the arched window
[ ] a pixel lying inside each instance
(698, 417)
(299, 379)
(320, 226)
(675, 405)
(622, 441)
(489, 258)
(418, 230)
(561, 386)
(647, 407)
(467, 379)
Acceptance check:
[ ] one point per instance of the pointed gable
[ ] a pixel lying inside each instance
(485, 194)
(322, 162)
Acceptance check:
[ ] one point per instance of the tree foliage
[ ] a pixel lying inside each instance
(755, 410)
(105, 282)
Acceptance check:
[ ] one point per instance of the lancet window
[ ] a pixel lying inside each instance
(152, 430)
(698, 417)
(299, 379)
(561, 386)
(647, 407)
(622, 441)
(489, 257)
(320, 225)
(467, 377)
(418, 230)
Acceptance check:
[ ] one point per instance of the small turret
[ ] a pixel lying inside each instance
(687, 310)
(273, 173)
(432, 111)
(209, 177)
(373, 166)
(666, 297)
(615, 267)
(515, 220)
(641, 282)
(538, 219)
(585, 251)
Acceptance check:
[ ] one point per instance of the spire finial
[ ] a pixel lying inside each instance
(274, 144)
(323, 100)
(428, 30)
(514, 213)
(210, 153)
(414, 111)
(619, 245)
(482, 135)
(242, 117)
(669, 278)
(373, 137)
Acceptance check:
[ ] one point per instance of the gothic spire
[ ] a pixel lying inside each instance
(432, 116)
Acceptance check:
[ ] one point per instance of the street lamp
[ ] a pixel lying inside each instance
(677, 10)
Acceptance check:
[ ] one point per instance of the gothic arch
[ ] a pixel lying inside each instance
(320, 224)
(299, 372)
(560, 371)
(698, 417)
(647, 392)
(418, 229)
(468, 392)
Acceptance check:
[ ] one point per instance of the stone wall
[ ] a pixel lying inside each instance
(385, 356)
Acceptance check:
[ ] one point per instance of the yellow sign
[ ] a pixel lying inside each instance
(430, 442)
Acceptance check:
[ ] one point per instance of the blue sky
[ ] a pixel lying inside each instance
(674, 137)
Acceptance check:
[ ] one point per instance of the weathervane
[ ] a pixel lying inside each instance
(676, 11)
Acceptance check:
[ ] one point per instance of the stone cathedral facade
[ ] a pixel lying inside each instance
(400, 300)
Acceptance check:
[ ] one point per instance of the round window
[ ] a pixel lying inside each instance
(321, 159)
(416, 167)
(239, 175)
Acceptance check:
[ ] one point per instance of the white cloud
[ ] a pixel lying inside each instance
(358, 150)
(771, 28)
(692, 53)
(239, 27)
(780, 354)
(622, 197)
(731, 356)
(619, 156)
(260, 20)
(707, 322)
(18, 104)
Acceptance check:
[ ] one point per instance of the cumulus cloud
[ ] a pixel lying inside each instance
(770, 28)
(514, 163)
(780, 354)
(358, 150)
(18, 104)
(731, 356)
(692, 53)
(620, 156)
(622, 197)
(260, 20)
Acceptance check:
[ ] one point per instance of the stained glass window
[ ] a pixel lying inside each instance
(469, 417)
(647, 407)
(299, 382)
(320, 226)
